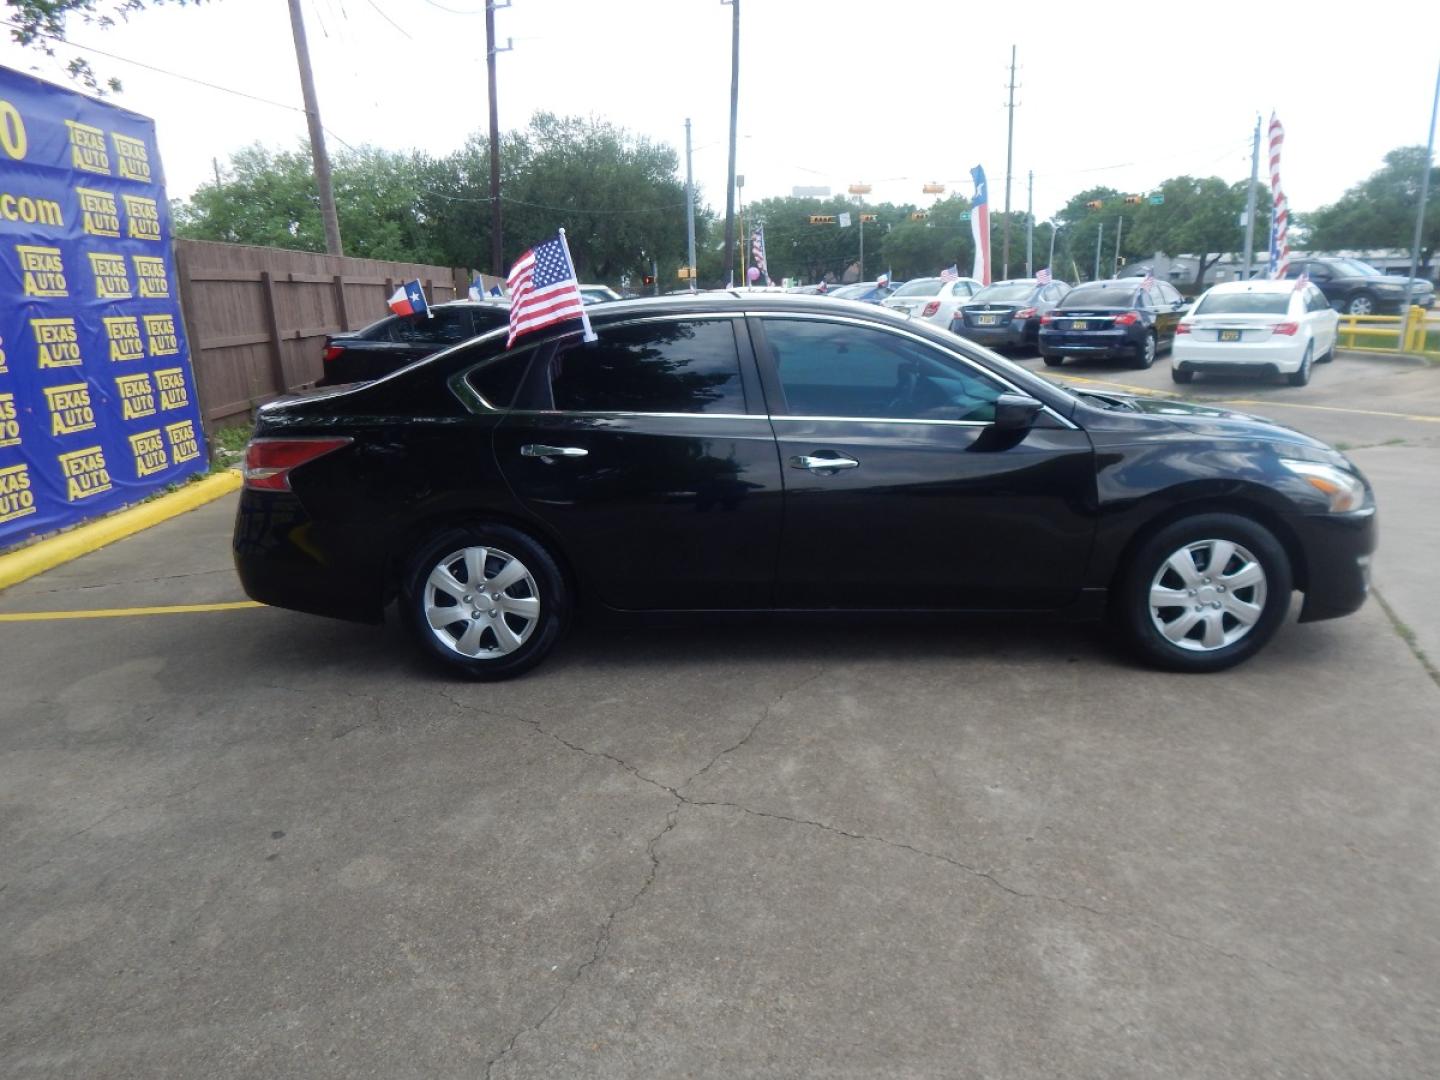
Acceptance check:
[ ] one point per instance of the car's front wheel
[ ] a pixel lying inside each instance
(487, 600)
(1361, 304)
(1204, 593)
(1182, 375)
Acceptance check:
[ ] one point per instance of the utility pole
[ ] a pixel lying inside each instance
(1050, 264)
(1250, 201)
(317, 133)
(1119, 229)
(216, 162)
(497, 237)
(1009, 158)
(1030, 227)
(861, 214)
(1420, 213)
(744, 238)
(689, 209)
(1099, 243)
(734, 106)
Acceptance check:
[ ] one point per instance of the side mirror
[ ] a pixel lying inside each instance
(1015, 412)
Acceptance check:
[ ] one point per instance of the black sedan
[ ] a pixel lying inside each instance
(1357, 288)
(397, 340)
(769, 453)
(1120, 319)
(1008, 313)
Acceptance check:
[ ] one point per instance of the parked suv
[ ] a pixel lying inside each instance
(766, 453)
(1357, 288)
(397, 340)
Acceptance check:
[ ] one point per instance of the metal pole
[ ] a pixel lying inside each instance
(689, 209)
(497, 236)
(1030, 227)
(1099, 243)
(1250, 201)
(1420, 213)
(317, 134)
(655, 274)
(1050, 264)
(1119, 228)
(1009, 157)
(734, 106)
(861, 214)
(743, 238)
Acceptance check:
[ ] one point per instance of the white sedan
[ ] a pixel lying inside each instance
(933, 299)
(1260, 327)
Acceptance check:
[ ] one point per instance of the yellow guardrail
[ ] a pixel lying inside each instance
(1384, 333)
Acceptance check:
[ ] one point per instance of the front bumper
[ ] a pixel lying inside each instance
(1336, 549)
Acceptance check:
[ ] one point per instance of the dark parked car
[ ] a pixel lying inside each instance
(1357, 288)
(1008, 313)
(770, 453)
(867, 292)
(398, 340)
(1119, 319)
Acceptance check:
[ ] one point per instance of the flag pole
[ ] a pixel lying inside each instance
(584, 315)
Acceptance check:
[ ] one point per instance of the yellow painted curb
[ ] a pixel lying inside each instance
(48, 554)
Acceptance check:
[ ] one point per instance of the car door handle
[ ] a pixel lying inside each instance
(540, 450)
(816, 463)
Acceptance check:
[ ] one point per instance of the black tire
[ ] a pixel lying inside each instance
(1052, 361)
(544, 579)
(1182, 376)
(1362, 303)
(1130, 606)
(1145, 355)
(1327, 357)
(1302, 377)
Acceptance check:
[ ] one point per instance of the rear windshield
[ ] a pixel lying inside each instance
(1102, 294)
(1244, 303)
(848, 292)
(1005, 290)
(919, 287)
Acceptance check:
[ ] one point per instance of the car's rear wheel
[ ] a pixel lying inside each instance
(1301, 375)
(1361, 304)
(1204, 593)
(1181, 376)
(487, 600)
(1145, 357)
(1052, 361)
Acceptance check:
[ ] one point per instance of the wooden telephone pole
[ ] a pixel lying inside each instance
(317, 133)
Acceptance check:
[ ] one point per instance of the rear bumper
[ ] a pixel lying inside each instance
(1017, 333)
(1101, 344)
(1190, 355)
(1337, 549)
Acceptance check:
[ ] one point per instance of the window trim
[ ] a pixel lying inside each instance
(769, 375)
(475, 401)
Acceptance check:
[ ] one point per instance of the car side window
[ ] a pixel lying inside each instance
(497, 380)
(679, 367)
(1170, 293)
(1316, 298)
(836, 369)
(445, 326)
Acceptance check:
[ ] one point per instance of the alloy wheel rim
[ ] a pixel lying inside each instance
(481, 603)
(1207, 595)
(1149, 348)
(1361, 306)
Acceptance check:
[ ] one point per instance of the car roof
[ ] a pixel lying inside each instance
(1254, 285)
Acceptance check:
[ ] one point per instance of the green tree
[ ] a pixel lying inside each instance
(1080, 231)
(1200, 217)
(1379, 212)
(40, 24)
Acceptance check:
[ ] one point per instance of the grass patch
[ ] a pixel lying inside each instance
(227, 446)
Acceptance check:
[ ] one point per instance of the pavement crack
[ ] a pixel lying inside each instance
(1407, 635)
(760, 720)
(991, 879)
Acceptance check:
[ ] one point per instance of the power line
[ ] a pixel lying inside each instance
(391, 21)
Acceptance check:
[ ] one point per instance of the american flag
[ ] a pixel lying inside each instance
(1302, 280)
(757, 251)
(1042, 277)
(543, 290)
(951, 273)
(1280, 221)
(1149, 280)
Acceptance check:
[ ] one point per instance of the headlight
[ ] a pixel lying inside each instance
(1345, 490)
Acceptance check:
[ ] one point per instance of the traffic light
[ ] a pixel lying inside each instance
(1094, 204)
(1134, 200)
(933, 188)
(919, 215)
(648, 279)
(822, 219)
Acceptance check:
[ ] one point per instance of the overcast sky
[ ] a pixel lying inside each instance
(832, 91)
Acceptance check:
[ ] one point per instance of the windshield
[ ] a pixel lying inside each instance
(1103, 294)
(1005, 290)
(919, 287)
(1245, 303)
(1355, 266)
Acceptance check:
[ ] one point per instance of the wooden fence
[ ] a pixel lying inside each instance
(257, 317)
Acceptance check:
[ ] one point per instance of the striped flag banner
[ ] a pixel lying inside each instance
(544, 291)
(1280, 221)
(980, 226)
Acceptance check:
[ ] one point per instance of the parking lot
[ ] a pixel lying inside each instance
(240, 841)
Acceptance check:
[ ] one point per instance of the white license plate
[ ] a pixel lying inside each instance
(988, 320)
(1229, 335)
(1079, 324)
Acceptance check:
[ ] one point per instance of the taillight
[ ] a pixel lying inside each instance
(1025, 313)
(930, 309)
(1129, 318)
(333, 352)
(1182, 328)
(1289, 329)
(268, 462)
(1046, 320)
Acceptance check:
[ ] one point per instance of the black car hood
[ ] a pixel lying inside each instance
(1210, 421)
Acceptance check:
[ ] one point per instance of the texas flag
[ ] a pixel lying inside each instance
(980, 226)
(409, 299)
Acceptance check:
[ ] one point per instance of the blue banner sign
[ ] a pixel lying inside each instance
(97, 398)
